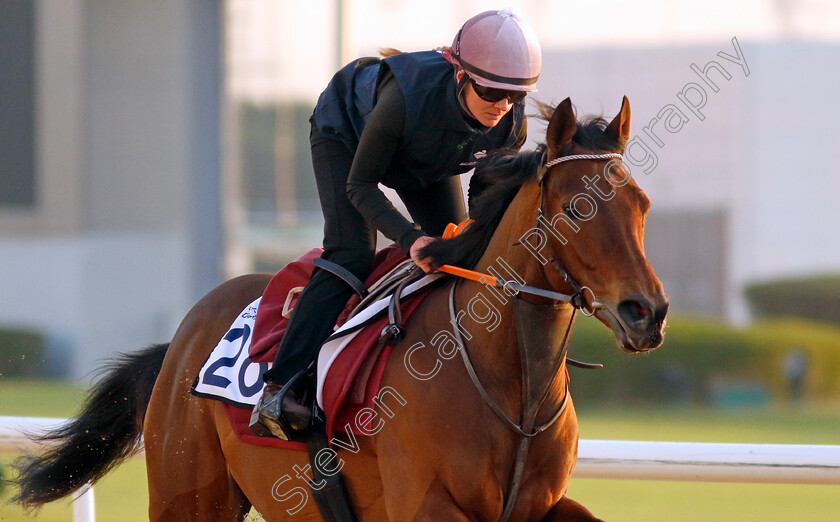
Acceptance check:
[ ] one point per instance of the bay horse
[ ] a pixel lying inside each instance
(490, 435)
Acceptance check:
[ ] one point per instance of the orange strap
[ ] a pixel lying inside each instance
(451, 231)
(468, 274)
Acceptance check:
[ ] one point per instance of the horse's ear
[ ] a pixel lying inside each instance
(561, 127)
(619, 128)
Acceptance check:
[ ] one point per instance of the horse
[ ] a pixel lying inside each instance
(489, 435)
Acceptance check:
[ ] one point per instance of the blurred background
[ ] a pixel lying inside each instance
(151, 149)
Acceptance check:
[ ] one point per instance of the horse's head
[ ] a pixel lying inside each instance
(593, 215)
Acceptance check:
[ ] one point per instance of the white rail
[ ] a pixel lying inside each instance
(709, 462)
(608, 459)
(15, 435)
(14, 430)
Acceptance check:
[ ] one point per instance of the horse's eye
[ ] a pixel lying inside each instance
(570, 211)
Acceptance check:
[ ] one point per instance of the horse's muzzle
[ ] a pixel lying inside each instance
(638, 322)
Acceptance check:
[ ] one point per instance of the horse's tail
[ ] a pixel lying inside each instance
(107, 431)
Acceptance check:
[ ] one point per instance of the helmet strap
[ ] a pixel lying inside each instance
(462, 96)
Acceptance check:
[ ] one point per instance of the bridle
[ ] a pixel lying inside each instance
(579, 297)
(527, 428)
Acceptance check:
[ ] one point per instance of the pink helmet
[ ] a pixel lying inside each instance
(498, 49)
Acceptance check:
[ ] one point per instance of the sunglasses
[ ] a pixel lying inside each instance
(492, 95)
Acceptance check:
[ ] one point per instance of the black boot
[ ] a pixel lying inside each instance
(280, 414)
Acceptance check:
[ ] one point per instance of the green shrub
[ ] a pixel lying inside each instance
(21, 353)
(815, 298)
(772, 341)
(700, 357)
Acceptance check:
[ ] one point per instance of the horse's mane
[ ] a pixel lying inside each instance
(386, 52)
(497, 179)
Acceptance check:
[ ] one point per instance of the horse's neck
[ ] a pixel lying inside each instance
(539, 326)
(505, 248)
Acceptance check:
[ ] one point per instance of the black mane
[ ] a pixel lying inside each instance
(497, 179)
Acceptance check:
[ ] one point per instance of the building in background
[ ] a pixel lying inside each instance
(746, 193)
(135, 175)
(742, 190)
(110, 222)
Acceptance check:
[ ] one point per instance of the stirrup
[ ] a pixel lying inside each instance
(279, 426)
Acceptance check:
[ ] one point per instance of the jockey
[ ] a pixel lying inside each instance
(413, 122)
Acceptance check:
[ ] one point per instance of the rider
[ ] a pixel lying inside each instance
(413, 122)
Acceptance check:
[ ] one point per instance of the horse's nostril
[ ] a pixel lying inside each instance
(660, 313)
(634, 311)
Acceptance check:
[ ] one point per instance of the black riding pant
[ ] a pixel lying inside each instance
(350, 242)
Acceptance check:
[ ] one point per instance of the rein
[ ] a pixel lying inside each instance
(530, 406)
(519, 429)
(512, 288)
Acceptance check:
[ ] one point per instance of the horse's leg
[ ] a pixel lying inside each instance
(438, 505)
(275, 480)
(412, 489)
(187, 472)
(568, 510)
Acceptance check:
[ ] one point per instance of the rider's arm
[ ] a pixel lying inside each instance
(378, 145)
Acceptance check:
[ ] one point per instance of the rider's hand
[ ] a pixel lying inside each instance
(414, 252)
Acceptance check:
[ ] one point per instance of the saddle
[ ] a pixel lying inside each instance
(393, 270)
(391, 275)
(390, 285)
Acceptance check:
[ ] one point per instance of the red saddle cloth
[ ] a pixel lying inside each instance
(353, 379)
